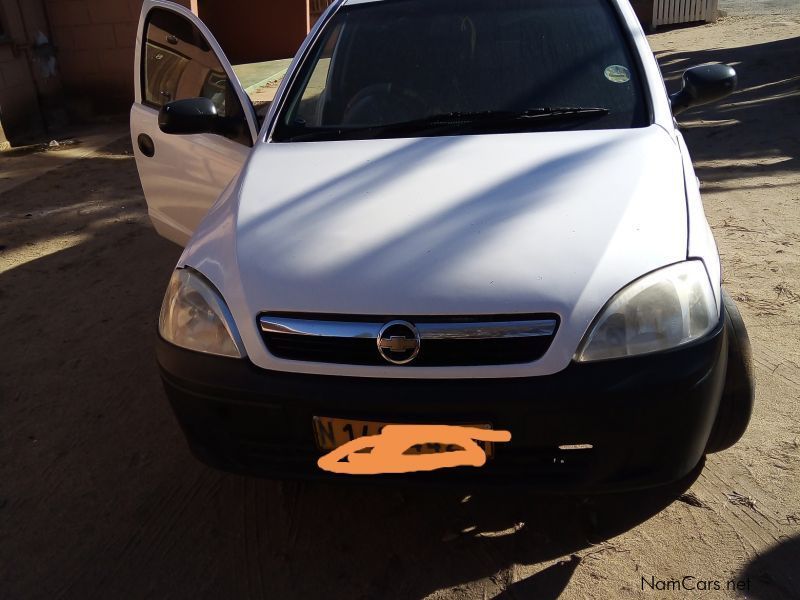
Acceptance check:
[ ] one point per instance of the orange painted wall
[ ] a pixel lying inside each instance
(252, 31)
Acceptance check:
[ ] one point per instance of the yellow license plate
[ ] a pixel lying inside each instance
(331, 432)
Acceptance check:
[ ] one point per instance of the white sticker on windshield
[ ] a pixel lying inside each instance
(618, 74)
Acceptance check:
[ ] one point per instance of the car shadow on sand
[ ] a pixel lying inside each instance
(377, 542)
(776, 572)
(758, 123)
(99, 487)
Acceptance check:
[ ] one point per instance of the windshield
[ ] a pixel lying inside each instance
(442, 67)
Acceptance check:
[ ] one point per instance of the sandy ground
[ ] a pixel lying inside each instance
(99, 497)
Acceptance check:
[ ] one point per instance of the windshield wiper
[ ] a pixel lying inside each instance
(455, 121)
(503, 118)
(508, 115)
(567, 111)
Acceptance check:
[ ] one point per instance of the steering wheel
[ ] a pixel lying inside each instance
(383, 103)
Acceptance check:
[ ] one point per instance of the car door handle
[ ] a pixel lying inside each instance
(146, 145)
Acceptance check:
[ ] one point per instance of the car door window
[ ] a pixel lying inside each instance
(179, 63)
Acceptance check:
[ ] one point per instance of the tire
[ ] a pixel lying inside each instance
(738, 396)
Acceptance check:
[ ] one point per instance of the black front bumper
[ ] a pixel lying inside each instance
(648, 418)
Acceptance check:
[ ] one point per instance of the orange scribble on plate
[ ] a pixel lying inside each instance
(388, 450)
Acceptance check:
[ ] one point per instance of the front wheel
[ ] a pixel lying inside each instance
(738, 396)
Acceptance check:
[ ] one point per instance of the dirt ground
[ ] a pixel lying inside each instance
(99, 497)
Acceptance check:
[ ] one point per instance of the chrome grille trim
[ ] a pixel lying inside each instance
(487, 331)
(339, 329)
(428, 331)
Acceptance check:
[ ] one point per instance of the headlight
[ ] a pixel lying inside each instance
(667, 308)
(194, 316)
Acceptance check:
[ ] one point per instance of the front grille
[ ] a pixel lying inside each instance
(464, 341)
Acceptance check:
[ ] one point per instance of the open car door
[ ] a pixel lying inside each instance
(177, 58)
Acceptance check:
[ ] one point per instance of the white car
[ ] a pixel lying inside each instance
(456, 212)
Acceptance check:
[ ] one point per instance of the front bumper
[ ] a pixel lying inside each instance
(647, 418)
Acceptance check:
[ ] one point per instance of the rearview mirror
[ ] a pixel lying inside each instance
(704, 84)
(192, 115)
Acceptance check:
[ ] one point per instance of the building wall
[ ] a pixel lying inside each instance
(253, 31)
(644, 10)
(93, 44)
(96, 41)
(27, 89)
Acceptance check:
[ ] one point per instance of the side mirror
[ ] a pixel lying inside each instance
(704, 84)
(192, 115)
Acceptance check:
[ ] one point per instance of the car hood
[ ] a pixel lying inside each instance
(471, 225)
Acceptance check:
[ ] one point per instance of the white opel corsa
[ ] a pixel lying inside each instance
(459, 212)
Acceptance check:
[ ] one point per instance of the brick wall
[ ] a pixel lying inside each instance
(95, 41)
